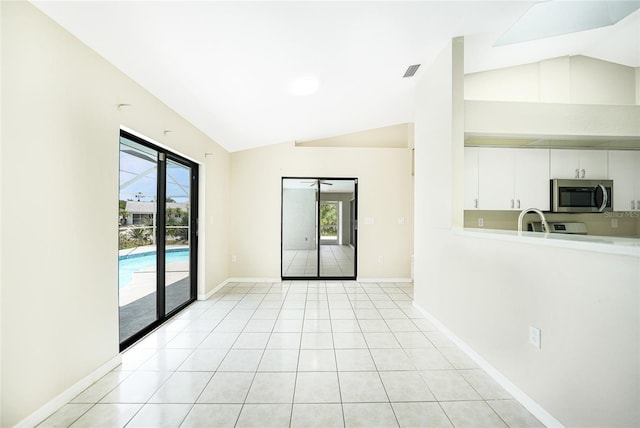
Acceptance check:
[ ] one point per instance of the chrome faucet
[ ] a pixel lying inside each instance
(545, 225)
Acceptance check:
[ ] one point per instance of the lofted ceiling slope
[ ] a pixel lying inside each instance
(228, 67)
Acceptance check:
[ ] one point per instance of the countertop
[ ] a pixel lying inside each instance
(603, 244)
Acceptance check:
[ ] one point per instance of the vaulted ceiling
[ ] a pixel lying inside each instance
(229, 67)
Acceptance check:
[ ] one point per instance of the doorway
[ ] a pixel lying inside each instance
(319, 228)
(157, 236)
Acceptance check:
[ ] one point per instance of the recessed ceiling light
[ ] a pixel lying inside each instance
(304, 86)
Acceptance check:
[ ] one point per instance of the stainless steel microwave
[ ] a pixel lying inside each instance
(581, 196)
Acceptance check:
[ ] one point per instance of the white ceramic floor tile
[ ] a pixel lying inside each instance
(421, 414)
(297, 354)
(284, 341)
(349, 341)
(182, 387)
(315, 360)
(264, 415)
(405, 386)
(351, 360)
(381, 340)
(448, 385)
(218, 340)
(203, 360)
(413, 339)
(137, 388)
(227, 388)
(107, 416)
(345, 326)
(317, 387)
(317, 341)
(101, 387)
(248, 340)
(488, 388)
(160, 415)
(279, 360)
(166, 360)
(212, 415)
(391, 359)
(241, 360)
(65, 416)
(514, 414)
(366, 415)
(187, 340)
(272, 388)
(475, 414)
(361, 387)
(428, 359)
(317, 416)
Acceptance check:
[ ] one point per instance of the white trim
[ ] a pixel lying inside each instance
(384, 280)
(69, 394)
(536, 410)
(254, 280)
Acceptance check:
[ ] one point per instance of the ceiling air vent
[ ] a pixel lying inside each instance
(411, 70)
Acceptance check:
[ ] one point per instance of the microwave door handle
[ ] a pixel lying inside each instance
(605, 198)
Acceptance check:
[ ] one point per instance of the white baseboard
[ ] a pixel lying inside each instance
(384, 279)
(69, 394)
(527, 402)
(254, 280)
(213, 291)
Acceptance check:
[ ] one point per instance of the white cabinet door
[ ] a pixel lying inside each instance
(532, 184)
(624, 170)
(496, 179)
(589, 164)
(471, 178)
(564, 163)
(593, 164)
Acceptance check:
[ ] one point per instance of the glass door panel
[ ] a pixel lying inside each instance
(299, 228)
(137, 238)
(177, 235)
(337, 228)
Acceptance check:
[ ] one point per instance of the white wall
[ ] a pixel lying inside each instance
(385, 193)
(59, 166)
(573, 80)
(299, 219)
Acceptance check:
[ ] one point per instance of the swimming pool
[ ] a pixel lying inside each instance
(131, 263)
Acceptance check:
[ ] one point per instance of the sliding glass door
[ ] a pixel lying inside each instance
(157, 236)
(319, 228)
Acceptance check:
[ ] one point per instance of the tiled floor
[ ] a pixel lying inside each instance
(296, 354)
(335, 260)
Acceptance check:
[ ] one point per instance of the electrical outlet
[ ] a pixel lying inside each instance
(400, 220)
(380, 259)
(534, 336)
(614, 223)
(234, 259)
(480, 222)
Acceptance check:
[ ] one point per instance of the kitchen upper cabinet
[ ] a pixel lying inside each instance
(471, 198)
(513, 179)
(624, 170)
(589, 164)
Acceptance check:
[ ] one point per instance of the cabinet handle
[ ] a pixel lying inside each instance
(511, 203)
(518, 206)
(583, 173)
(577, 173)
(475, 202)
